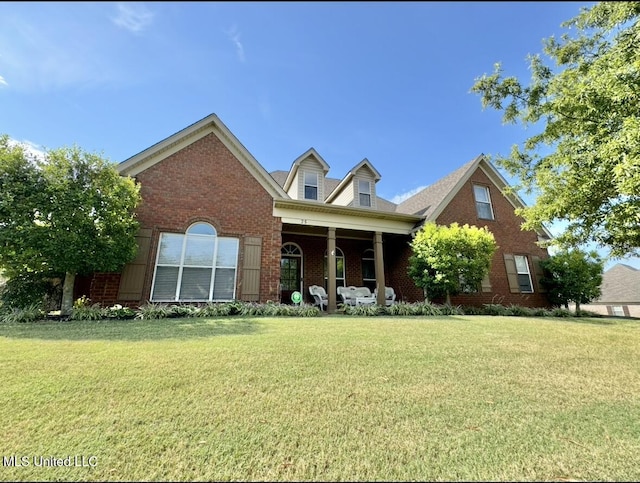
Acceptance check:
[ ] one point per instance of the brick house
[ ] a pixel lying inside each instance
(216, 226)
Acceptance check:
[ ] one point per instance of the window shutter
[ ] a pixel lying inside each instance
(132, 277)
(251, 269)
(486, 283)
(537, 269)
(512, 273)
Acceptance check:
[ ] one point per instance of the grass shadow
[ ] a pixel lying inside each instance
(133, 330)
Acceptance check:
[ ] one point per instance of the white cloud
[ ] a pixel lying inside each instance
(234, 36)
(32, 150)
(133, 17)
(397, 199)
(3, 82)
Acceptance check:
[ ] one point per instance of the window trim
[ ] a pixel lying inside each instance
(339, 254)
(528, 272)
(478, 202)
(306, 185)
(366, 193)
(371, 258)
(190, 233)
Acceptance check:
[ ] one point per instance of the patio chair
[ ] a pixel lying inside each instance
(347, 295)
(319, 295)
(389, 295)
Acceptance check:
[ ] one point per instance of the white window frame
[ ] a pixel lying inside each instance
(369, 255)
(308, 182)
(617, 310)
(181, 265)
(487, 202)
(339, 255)
(520, 271)
(366, 193)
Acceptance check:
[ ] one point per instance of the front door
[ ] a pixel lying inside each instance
(289, 277)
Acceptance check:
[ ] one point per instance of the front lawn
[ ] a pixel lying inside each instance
(333, 398)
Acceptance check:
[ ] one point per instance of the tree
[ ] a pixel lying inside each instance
(584, 164)
(447, 258)
(71, 213)
(572, 276)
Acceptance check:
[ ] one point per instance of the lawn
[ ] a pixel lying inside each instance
(332, 398)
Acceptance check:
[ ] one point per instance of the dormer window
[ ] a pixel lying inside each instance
(310, 185)
(364, 192)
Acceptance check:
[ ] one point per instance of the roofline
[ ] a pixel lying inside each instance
(350, 174)
(210, 124)
(296, 164)
(346, 210)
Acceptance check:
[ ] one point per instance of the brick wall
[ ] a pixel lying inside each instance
(203, 182)
(509, 238)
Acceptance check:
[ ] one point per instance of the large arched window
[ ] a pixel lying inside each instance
(340, 268)
(195, 266)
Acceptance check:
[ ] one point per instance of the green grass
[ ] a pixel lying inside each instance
(323, 399)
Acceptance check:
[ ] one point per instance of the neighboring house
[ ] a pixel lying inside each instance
(620, 292)
(216, 226)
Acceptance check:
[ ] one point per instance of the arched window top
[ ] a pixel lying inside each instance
(338, 253)
(201, 228)
(368, 253)
(291, 249)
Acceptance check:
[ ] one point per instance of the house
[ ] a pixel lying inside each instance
(620, 293)
(216, 226)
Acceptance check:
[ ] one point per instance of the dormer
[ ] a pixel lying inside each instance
(357, 188)
(306, 177)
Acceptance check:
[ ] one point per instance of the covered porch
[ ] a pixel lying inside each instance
(334, 246)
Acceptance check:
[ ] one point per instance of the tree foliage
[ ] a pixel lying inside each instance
(71, 213)
(584, 164)
(446, 257)
(572, 276)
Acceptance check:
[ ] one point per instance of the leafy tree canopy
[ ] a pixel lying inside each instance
(585, 163)
(445, 258)
(71, 213)
(572, 276)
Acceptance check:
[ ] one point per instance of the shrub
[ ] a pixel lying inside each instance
(448, 309)
(152, 310)
(30, 313)
(215, 309)
(495, 309)
(118, 312)
(83, 309)
(28, 288)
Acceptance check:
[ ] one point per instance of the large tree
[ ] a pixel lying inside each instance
(583, 160)
(446, 259)
(572, 276)
(70, 213)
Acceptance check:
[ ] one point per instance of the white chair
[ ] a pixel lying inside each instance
(389, 295)
(319, 295)
(347, 294)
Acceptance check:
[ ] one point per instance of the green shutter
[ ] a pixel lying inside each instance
(132, 277)
(512, 273)
(250, 290)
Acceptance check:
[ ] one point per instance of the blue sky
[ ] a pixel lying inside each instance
(386, 81)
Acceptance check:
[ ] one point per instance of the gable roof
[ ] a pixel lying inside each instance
(349, 176)
(296, 165)
(433, 199)
(210, 124)
(620, 284)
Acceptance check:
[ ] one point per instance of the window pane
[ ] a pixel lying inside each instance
(310, 193)
(311, 179)
(223, 285)
(165, 283)
(484, 211)
(521, 264)
(481, 193)
(199, 251)
(524, 281)
(227, 252)
(170, 249)
(195, 283)
(365, 200)
(201, 229)
(368, 269)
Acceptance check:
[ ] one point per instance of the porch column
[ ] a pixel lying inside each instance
(331, 270)
(379, 263)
